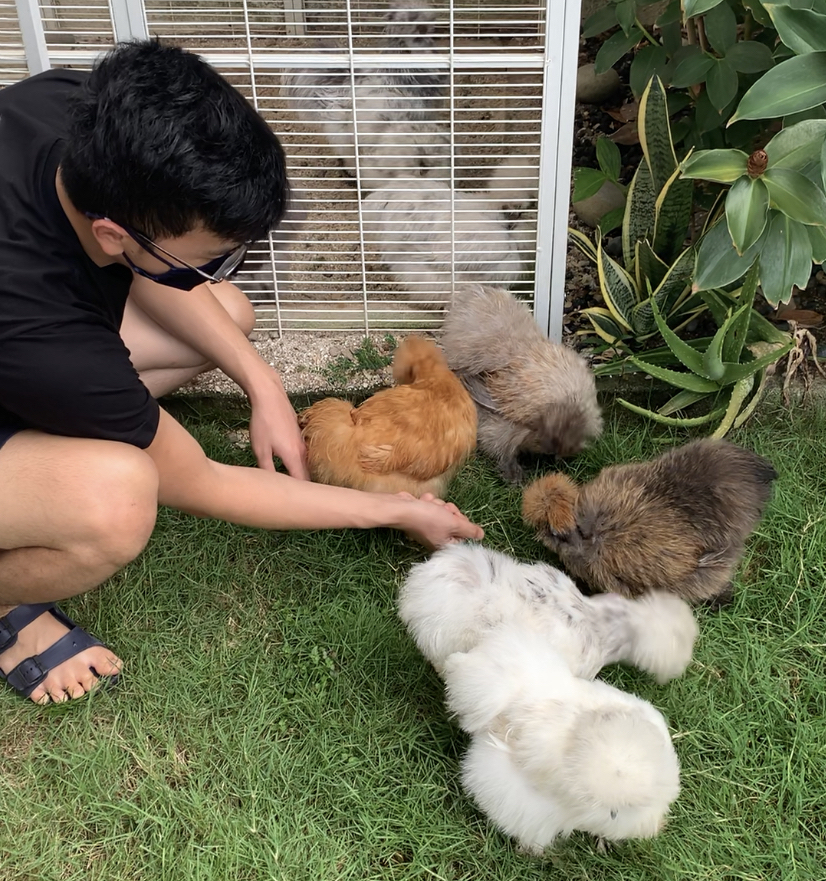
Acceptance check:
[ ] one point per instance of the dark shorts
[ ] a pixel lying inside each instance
(6, 431)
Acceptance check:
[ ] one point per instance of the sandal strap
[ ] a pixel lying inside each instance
(19, 617)
(29, 673)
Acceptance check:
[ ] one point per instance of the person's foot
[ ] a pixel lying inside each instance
(71, 679)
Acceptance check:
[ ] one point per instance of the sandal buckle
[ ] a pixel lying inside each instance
(8, 634)
(30, 673)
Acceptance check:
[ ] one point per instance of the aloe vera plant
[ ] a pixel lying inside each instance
(655, 275)
(724, 375)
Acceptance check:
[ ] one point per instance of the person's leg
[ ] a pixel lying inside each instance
(164, 362)
(74, 512)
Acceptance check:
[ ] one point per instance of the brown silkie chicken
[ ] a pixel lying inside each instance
(410, 438)
(678, 522)
(531, 394)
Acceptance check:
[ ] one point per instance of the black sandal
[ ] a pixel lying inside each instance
(29, 673)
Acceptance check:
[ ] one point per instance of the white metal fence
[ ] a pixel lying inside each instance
(424, 150)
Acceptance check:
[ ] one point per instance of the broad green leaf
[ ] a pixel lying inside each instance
(614, 48)
(692, 68)
(793, 85)
(655, 134)
(640, 206)
(747, 209)
(673, 14)
(721, 83)
(647, 62)
(602, 20)
(669, 420)
(818, 112)
(608, 157)
(739, 393)
(612, 220)
(738, 328)
(759, 12)
(603, 323)
(698, 7)
(626, 14)
(618, 289)
(796, 196)
(671, 36)
(689, 381)
(707, 117)
(587, 182)
(721, 28)
(677, 101)
(822, 168)
(680, 401)
(718, 262)
(686, 355)
(817, 238)
(738, 372)
(673, 216)
(749, 56)
(785, 258)
(802, 30)
(798, 146)
(720, 166)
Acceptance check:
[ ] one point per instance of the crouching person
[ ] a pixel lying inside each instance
(130, 196)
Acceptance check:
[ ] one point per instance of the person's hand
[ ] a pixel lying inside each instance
(435, 523)
(274, 431)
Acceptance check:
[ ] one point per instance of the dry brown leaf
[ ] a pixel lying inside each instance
(803, 317)
(626, 134)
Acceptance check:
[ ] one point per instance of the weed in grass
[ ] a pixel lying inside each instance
(275, 721)
(367, 357)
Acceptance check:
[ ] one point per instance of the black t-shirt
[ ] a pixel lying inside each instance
(63, 366)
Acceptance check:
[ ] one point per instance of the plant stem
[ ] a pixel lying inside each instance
(748, 25)
(651, 39)
(701, 33)
(691, 31)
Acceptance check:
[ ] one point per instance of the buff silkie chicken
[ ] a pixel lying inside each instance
(412, 438)
(677, 523)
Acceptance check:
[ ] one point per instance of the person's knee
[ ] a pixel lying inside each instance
(238, 305)
(122, 506)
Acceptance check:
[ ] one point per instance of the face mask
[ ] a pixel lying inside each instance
(184, 277)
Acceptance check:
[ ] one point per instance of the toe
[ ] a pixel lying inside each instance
(57, 693)
(40, 695)
(78, 689)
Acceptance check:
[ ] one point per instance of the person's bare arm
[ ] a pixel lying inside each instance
(191, 482)
(198, 319)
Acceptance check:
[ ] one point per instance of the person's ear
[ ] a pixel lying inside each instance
(109, 236)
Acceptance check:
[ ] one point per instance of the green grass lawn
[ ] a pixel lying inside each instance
(276, 722)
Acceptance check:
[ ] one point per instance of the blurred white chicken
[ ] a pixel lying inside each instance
(459, 595)
(552, 753)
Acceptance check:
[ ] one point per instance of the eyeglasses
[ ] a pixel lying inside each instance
(186, 276)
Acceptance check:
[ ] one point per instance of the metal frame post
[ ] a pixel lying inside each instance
(129, 20)
(33, 36)
(559, 89)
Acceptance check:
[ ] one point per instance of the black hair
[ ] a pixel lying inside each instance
(161, 142)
